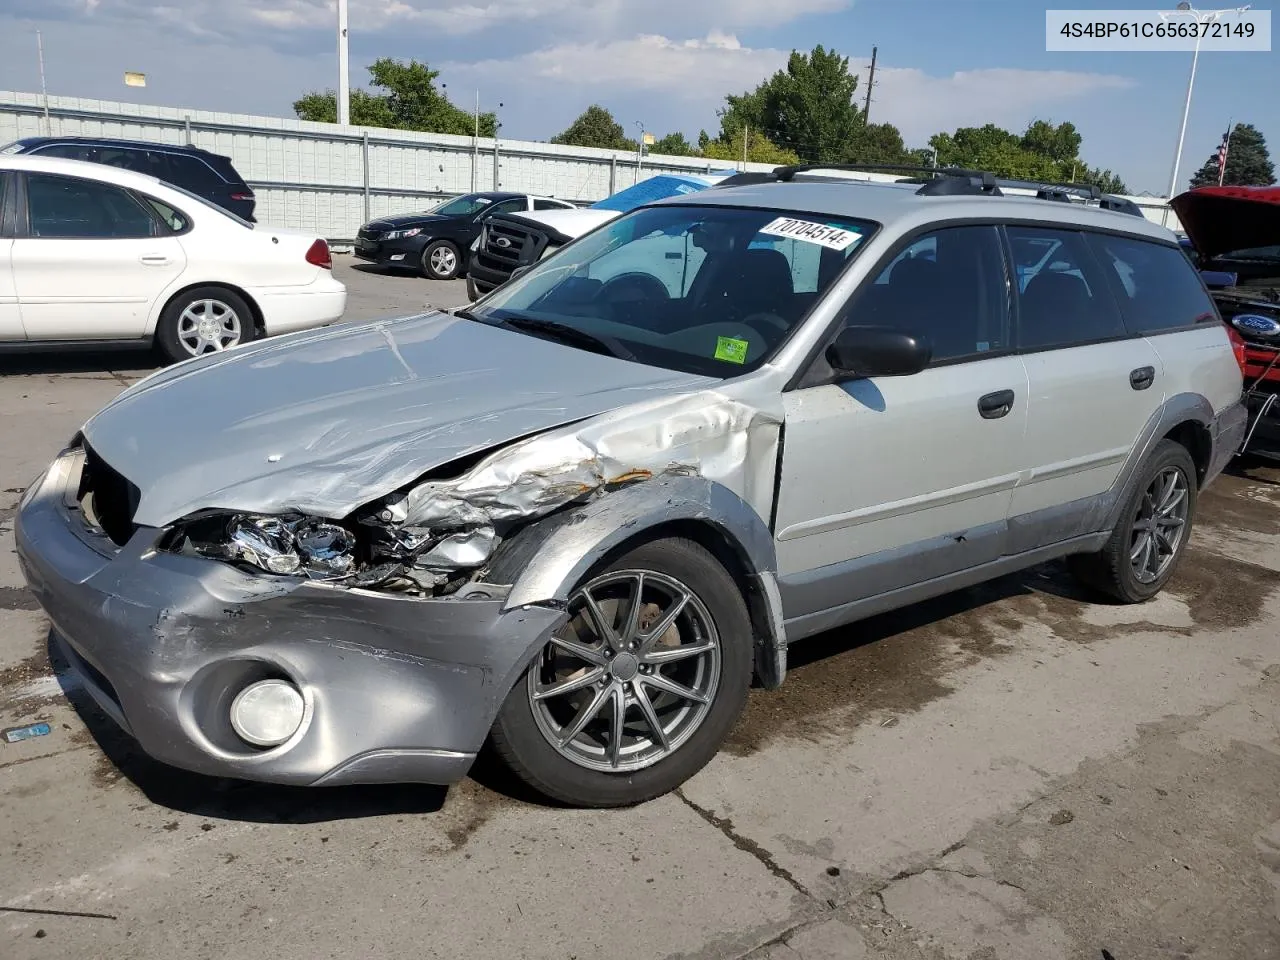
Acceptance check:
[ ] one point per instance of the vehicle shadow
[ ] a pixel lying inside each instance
(1050, 579)
(226, 799)
(64, 360)
(237, 800)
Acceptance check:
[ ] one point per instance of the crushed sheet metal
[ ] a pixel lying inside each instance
(706, 433)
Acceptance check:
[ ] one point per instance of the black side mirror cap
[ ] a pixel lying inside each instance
(877, 352)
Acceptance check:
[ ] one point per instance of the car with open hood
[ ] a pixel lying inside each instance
(437, 242)
(576, 519)
(1235, 234)
(514, 240)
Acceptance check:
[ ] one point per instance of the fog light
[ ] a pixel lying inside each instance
(397, 256)
(267, 713)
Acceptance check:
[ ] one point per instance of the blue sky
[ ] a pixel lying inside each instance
(668, 63)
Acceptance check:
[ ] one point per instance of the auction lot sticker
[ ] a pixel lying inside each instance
(835, 238)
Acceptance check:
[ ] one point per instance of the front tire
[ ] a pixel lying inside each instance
(1152, 533)
(204, 320)
(441, 261)
(638, 689)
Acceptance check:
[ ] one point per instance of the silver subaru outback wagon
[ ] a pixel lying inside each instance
(577, 518)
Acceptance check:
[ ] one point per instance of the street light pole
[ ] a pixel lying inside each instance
(640, 150)
(344, 91)
(1201, 16)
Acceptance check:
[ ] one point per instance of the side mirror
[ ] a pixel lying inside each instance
(877, 352)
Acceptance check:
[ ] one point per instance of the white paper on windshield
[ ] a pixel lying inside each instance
(834, 238)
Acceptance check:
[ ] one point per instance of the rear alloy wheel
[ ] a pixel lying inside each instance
(1152, 533)
(440, 261)
(636, 691)
(204, 320)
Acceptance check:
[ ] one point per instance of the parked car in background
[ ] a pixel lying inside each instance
(210, 176)
(1235, 234)
(437, 242)
(576, 518)
(92, 253)
(515, 240)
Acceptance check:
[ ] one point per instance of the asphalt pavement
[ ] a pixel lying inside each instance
(1011, 772)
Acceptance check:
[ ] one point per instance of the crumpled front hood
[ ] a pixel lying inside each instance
(325, 421)
(1221, 219)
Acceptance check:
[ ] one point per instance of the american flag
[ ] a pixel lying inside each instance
(1222, 152)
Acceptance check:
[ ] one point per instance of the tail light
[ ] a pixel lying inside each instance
(320, 256)
(242, 196)
(1238, 347)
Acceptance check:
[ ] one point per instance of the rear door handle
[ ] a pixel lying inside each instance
(156, 260)
(993, 406)
(1142, 378)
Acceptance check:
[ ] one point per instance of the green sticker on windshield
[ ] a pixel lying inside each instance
(731, 350)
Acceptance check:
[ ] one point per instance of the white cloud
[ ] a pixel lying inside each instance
(693, 76)
(921, 105)
(698, 70)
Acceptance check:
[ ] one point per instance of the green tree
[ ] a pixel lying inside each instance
(878, 143)
(1044, 153)
(807, 108)
(596, 127)
(673, 145)
(760, 149)
(409, 101)
(1248, 161)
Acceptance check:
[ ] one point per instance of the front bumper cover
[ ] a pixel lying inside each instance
(396, 689)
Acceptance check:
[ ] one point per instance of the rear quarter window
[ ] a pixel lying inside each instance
(1156, 286)
(192, 173)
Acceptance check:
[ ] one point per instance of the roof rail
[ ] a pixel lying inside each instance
(938, 181)
(1069, 192)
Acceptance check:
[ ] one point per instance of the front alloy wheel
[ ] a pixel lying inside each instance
(631, 676)
(640, 685)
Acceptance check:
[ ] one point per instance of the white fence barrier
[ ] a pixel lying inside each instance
(331, 179)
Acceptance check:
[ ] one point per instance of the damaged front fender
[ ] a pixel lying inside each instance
(545, 561)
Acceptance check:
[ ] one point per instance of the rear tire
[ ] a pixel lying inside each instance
(677, 689)
(204, 320)
(1151, 535)
(441, 261)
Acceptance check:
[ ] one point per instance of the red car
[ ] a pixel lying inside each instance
(1236, 230)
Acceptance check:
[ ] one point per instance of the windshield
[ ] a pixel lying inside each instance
(461, 206)
(706, 290)
(651, 191)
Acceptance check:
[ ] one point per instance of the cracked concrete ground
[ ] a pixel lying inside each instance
(1009, 772)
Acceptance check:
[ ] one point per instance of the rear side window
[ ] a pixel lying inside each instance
(1063, 297)
(948, 287)
(192, 173)
(68, 207)
(149, 162)
(1157, 287)
(65, 151)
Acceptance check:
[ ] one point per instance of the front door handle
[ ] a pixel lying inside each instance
(993, 406)
(1142, 378)
(156, 260)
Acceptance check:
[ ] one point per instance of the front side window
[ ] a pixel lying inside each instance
(514, 205)
(66, 151)
(947, 287)
(72, 208)
(1063, 297)
(1157, 287)
(708, 290)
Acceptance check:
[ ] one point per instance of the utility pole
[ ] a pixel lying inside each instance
(44, 90)
(871, 82)
(640, 150)
(746, 136)
(344, 92)
(475, 146)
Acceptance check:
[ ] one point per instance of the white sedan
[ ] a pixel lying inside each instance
(90, 253)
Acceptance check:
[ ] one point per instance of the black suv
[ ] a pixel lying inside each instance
(207, 175)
